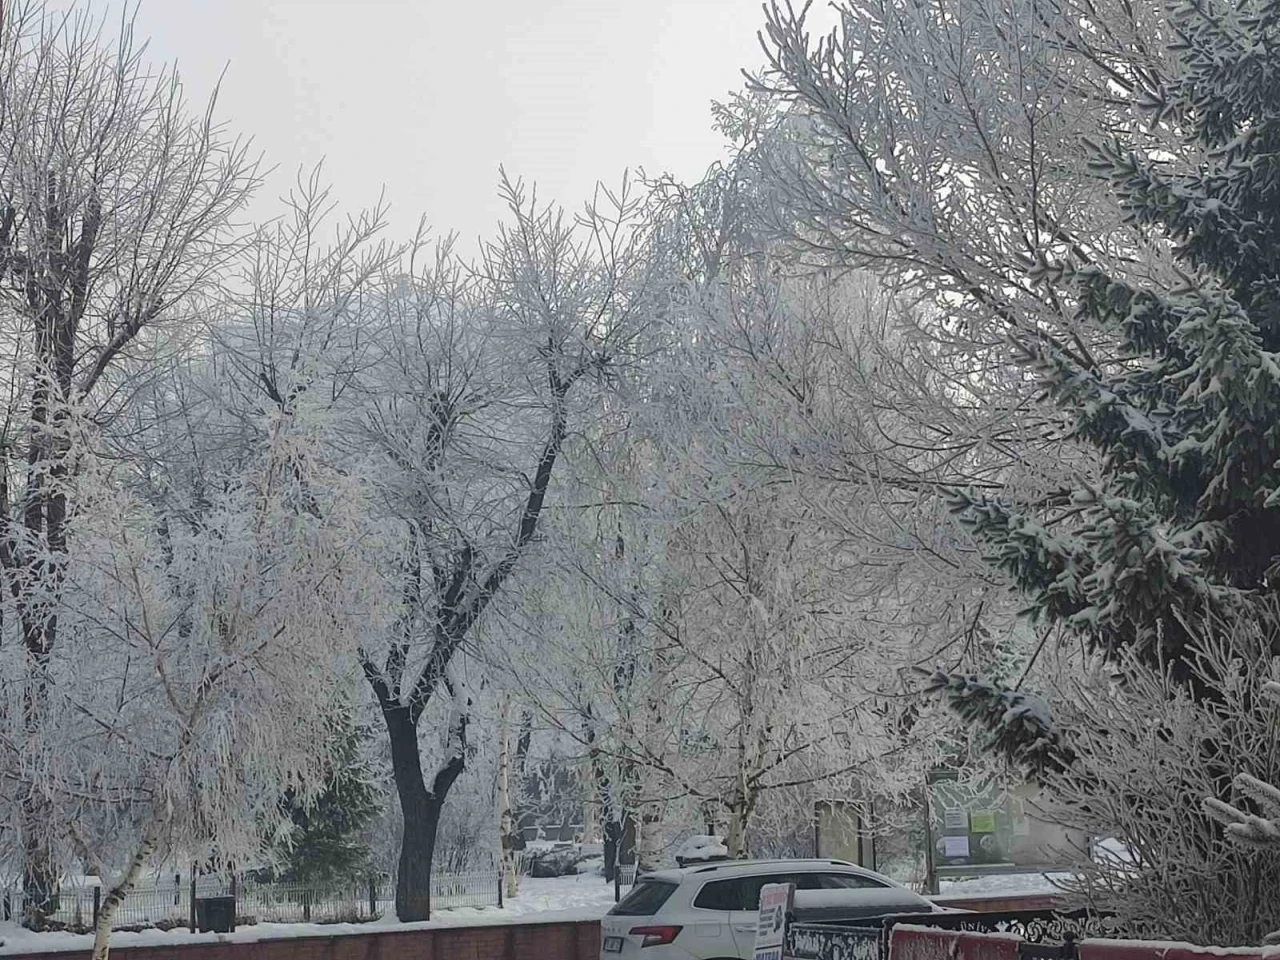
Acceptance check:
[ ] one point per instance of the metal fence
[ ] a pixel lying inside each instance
(168, 905)
(307, 903)
(449, 891)
(816, 941)
(1045, 934)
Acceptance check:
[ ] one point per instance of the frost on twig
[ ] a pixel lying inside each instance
(1256, 829)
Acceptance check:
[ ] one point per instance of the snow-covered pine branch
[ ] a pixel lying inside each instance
(1018, 722)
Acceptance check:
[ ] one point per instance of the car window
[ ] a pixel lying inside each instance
(744, 892)
(720, 895)
(749, 896)
(644, 900)
(844, 881)
(807, 881)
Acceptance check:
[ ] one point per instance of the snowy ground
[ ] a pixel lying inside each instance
(585, 897)
(1011, 884)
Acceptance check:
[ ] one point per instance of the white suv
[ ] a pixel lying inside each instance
(709, 911)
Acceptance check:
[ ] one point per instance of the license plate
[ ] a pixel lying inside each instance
(612, 944)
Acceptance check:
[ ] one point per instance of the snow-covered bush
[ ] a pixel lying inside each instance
(1146, 753)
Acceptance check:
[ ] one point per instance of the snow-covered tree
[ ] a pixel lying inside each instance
(939, 143)
(325, 840)
(1145, 751)
(729, 472)
(116, 201)
(1179, 524)
(208, 651)
(469, 405)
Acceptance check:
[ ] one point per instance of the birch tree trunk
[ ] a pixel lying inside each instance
(649, 844)
(506, 821)
(111, 903)
(736, 839)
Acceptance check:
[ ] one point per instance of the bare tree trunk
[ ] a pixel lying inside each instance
(39, 870)
(590, 818)
(649, 843)
(736, 838)
(420, 807)
(506, 822)
(111, 903)
(740, 809)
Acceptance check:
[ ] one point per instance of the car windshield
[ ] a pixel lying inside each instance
(644, 900)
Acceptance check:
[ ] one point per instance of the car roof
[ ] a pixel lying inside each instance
(738, 868)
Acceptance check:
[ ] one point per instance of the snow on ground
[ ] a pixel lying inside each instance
(585, 893)
(1002, 883)
(560, 899)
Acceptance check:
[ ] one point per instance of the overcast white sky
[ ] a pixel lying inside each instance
(428, 97)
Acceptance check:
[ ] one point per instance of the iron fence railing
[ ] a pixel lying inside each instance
(450, 891)
(169, 905)
(1046, 934)
(819, 941)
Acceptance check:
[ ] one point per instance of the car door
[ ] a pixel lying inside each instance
(746, 913)
(711, 934)
(746, 905)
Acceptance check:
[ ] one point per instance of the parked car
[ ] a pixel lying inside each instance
(709, 911)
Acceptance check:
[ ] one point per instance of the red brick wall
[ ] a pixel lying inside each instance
(528, 941)
(533, 941)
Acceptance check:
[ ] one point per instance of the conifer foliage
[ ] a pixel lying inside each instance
(325, 842)
(1183, 522)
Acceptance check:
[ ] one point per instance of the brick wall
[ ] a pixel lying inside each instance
(525, 941)
(532, 941)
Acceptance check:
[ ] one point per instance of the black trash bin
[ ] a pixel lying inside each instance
(215, 914)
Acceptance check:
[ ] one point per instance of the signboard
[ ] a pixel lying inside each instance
(840, 834)
(990, 825)
(771, 928)
(982, 821)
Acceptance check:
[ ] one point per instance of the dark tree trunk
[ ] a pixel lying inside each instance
(421, 817)
(619, 841)
(39, 871)
(610, 850)
(420, 807)
(462, 595)
(39, 874)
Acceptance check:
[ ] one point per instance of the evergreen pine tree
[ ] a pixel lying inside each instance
(324, 843)
(1184, 521)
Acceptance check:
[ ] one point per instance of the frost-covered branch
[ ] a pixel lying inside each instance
(1261, 829)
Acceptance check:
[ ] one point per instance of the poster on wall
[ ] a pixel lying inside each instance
(982, 821)
(988, 823)
(972, 825)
